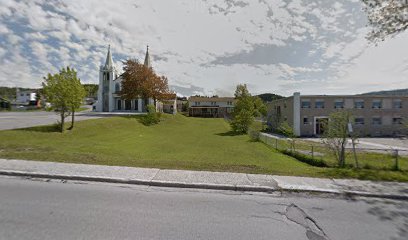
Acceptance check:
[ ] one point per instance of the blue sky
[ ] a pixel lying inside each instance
(204, 46)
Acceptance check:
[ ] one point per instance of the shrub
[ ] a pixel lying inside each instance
(254, 135)
(306, 159)
(152, 117)
(286, 130)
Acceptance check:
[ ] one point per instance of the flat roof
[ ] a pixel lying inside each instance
(343, 96)
(211, 99)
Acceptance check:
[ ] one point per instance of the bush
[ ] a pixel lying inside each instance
(306, 159)
(152, 117)
(254, 135)
(286, 130)
(241, 121)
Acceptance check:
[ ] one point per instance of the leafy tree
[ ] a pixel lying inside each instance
(386, 17)
(286, 130)
(260, 107)
(243, 114)
(184, 107)
(91, 90)
(77, 91)
(141, 81)
(336, 135)
(260, 110)
(65, 93)
(246, 109)
(269, 97)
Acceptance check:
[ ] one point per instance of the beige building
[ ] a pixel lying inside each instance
(372, 115)
(216, 107)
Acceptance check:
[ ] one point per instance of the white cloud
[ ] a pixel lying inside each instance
(185, 36)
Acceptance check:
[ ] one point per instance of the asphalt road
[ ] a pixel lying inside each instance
(37, 209)
(12, 120)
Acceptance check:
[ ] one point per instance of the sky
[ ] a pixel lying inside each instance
(204, 47)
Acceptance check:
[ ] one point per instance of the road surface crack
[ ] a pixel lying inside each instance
(298, 216)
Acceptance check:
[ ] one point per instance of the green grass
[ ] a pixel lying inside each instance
(178, 142)
(381, 160)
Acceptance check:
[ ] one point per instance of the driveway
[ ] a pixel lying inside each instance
(12, 120)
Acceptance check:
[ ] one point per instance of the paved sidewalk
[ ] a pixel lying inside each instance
(202, 179)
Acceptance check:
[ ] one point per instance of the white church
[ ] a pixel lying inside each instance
(110, 83)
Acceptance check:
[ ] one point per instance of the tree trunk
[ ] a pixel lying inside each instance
(72, 119)
(62, 121)
(342, 156)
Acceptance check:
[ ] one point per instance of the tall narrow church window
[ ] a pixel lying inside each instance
(107, 76)
(117, 87)
(136, 105)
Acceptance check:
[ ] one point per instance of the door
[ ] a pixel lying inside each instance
(105, 103)
(128, 105)
(320, 125)
(119, 104)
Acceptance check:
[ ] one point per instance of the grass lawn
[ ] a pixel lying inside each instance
(381, 160)
(178, 142)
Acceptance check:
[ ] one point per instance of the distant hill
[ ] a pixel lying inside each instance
(396, 92)
(268, 97)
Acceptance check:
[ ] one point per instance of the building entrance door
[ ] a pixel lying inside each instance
(320, 125)
(128, 105)
(119, 104)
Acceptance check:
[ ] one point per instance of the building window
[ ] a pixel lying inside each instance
(117, 87)
(397, 120)
(359, 121)
(358, 104)
(284, 105)
(339, 104)
(229, 110)
(397, 103)
(107, 76)
(377, 104)
(376, 121)
(229, 103)
(213, 103)
(319, 104)
(197, 103)
(305, 120)
(305, 104)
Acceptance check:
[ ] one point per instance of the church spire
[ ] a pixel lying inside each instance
(109, 61)
(147, 58)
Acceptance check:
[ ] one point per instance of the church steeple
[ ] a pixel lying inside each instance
(147, 58)
(109, 61)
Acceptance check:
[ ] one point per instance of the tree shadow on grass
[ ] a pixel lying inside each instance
(46, 128)
(230, 134)
(131, 116)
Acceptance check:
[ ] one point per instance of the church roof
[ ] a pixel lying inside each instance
(147, 58)
(109, 61)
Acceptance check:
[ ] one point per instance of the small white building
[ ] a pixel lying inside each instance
(110, 84)
(25, 97)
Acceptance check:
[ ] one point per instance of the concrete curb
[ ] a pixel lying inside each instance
(154, 183)
(242, 188)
